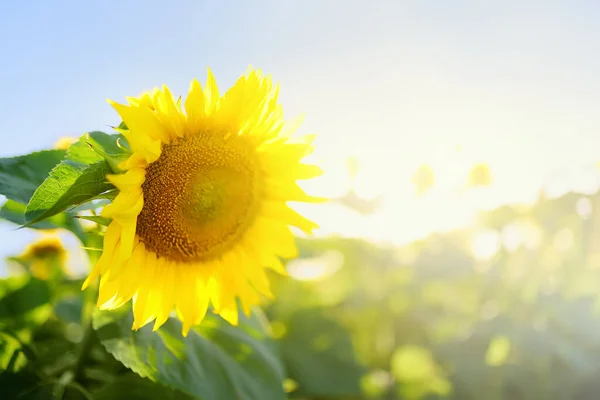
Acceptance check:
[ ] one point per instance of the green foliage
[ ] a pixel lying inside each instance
(113, 148)
(319, 355)
(498, 351)
(417, 372)
(23, 302)
(78, 178)
(132, 387)
(215, 361)
(429, 320)
(97, 219)
(23, 386)
(23, 307)
(424, 321)
(15, 212)
(21, 176)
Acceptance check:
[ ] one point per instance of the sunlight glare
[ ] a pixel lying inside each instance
(485, 244)
(564, 240)
(584, 207)
(316, 268)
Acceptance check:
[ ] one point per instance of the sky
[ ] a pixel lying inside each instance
(395, 83)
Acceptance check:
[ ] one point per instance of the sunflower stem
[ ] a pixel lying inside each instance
(84, 350)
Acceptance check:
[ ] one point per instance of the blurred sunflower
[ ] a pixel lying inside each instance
(65, 142)
(44, 258)
(202, 205)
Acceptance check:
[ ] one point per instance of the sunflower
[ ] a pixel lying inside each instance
(202, 209)
(45, 258)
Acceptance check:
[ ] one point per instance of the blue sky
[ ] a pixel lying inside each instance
(398, 83)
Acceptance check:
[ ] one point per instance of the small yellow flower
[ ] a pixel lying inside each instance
(64, 142)
(202, 208)
(45, 257)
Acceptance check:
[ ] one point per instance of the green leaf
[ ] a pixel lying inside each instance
(319, 356)
(498, 351)
(78, 178)
(14, 353)
(24, 307)
(11, 357)
(418, 373)
(133, 387)
(20, 300)
(20, 176)
(24, 386)
(110, 147)
(15, 212)
(99, 220)
(69, 308)
(215, 361)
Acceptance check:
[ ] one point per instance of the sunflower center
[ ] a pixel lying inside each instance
(199, 197)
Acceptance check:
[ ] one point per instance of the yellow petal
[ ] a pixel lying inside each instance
(129, 180)
(211, 94)
(280, 211)
(143, 101)
(136, 160)
(107, 293)
(169, 113)
(127, 239)
(140, 311)
(194, 107)
(275, 236)
(230, 314)
(126, 206)
(279, 154)
(143, 301)
(147, 148)
(281, 190)
(222, 291)
(265, 255)
(291, 126)
(296, 171)
(95, 273)
(166, 283)
(271, 261)
(192, 301)
(142, 121)
(111, 238)
(247, 259)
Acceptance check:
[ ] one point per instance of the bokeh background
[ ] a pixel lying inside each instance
(459, 256)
